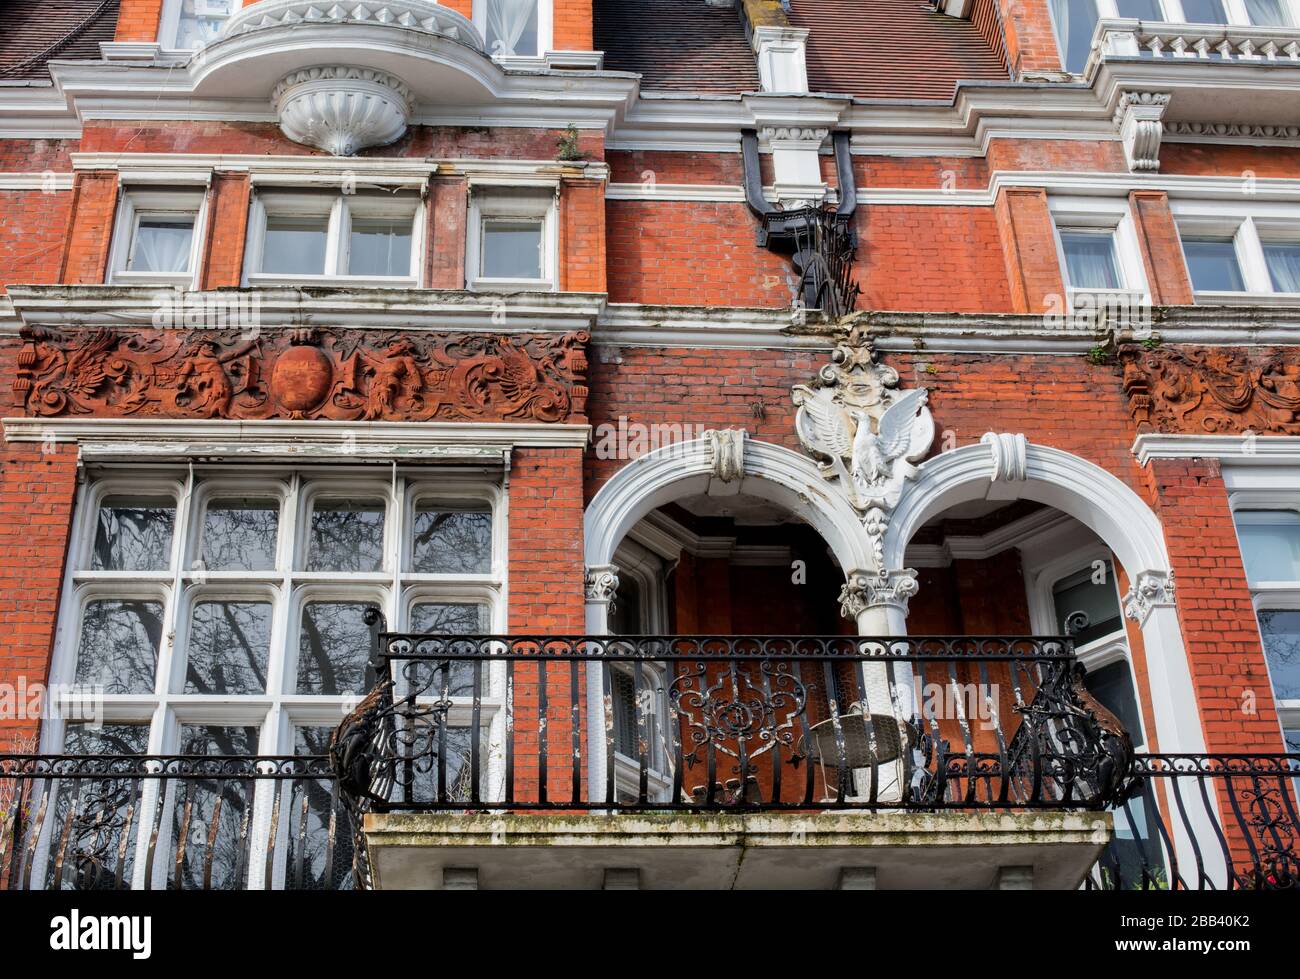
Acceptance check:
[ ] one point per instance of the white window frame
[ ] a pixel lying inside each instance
(1235, 11)
(169, 24)
(339, 210)
(278, 711)
(545, 33)
(136, 204)
(1099, 215)
(1272, 595)
(513, 204)
(1249, 225)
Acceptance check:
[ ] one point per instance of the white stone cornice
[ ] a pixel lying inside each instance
(45, 181)
(1249, 448)
(167, 438)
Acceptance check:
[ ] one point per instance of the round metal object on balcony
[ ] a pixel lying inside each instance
(883, 742)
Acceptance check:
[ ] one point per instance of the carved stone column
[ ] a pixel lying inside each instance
(601, 590)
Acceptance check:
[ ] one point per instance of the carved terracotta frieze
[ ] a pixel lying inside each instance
(341, 374)
(1198, 390)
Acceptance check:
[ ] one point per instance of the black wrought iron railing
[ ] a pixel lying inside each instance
(95, 822)
(718, 723)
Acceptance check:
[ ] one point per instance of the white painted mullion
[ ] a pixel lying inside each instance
(1174, 11)
(1107, 8)
(1236, 11)
(1250, 252)
(336, 239)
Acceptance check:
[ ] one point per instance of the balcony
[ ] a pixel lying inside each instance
(715, 762)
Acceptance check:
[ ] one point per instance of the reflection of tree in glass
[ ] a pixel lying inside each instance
(1281, 632)
(333, 648)
(451, 542)
(347, 535)
(227, 800)
(229, 645)
(314, 842)
(239, 535)
(119, 645)
(94, 840)
(445, 619)
(459, 771)
(133, 536)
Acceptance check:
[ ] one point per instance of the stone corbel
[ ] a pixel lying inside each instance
(1150, 590)
(342, 109)
(1138, 119)
(865, 590)
(728, 445)
(1010, 461)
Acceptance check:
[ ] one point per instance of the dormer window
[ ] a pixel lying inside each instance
(189, 24)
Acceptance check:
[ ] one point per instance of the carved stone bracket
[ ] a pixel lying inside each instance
(1010, 456)
(602, 584)
(863, 590)
(1216, 390)
(341, 375)
(728, 446)
(1138, 119)
(1149, 590)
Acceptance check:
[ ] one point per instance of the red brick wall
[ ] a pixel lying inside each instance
(223, 252)
(448, 212)
(90, 228)
(572, 26)
(582, 236)
(1162, 255)
(33, 226)
(1030, 42)
(1033, 267)
(137, 20)
(37, 490)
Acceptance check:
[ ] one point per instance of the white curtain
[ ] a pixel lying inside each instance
(507, 22)
(162, 248)
(1283, 266)
(1266, 13)
(1090, 261)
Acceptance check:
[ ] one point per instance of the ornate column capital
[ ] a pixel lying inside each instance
(865, 589)
(602, 584)
(1150, 590)
(1138, 119)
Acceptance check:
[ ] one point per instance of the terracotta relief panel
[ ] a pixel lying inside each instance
(346, 375)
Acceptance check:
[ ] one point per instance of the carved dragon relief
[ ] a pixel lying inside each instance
(1212, 390)
(303, 373)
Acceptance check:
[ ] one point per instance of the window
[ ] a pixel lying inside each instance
(364, 237)
(1087, 604)
(1090, 259)
(514, 28)
(156, 237)
(1141, 9)
(1270, 551)
(1212, 265)
(1075, 22)
(188, 24)
(1204, 12)
(223, 613)
(512, 239)
(1283, 261)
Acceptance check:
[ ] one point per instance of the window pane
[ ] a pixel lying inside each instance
(201, 21)
(451, 541)
(295, 246)
(449, 619)
(1270, 544)
(346, 535)
(1141, 9)
(1204, 12)
(1212, 264)
(161, 245)
(1090, 260)
(1292, 740)
(195, 809)
(333, 648)
(107, 739)
(240, 535)
(512, 249)
(1075, 21)
(119, 645)
(1113, 686)
(380, 248)
(133, 535)
(310, 829)
(229, 645)
(1266, 13)
(1281, 632)
(512, 28)
(1283, 261)
(1087, 605)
